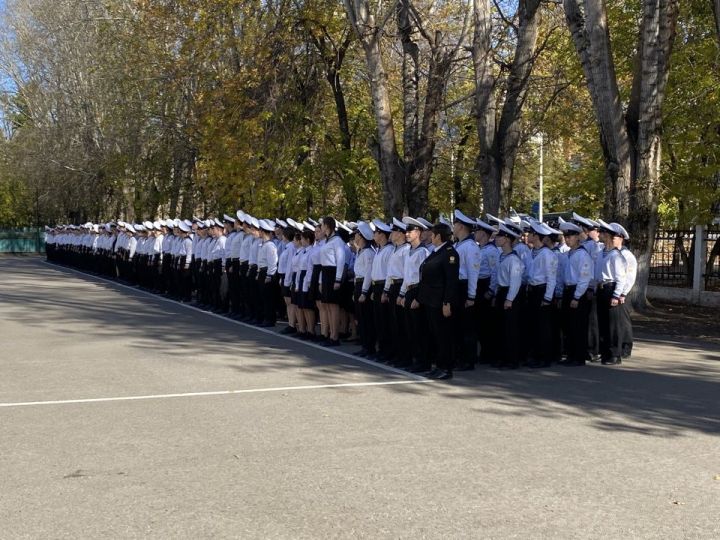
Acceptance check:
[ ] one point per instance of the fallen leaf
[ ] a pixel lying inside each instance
(678, 503)
(717, 477)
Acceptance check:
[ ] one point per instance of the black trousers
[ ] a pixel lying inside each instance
(399, 346)
(440, 334)
(183, 280)
(609, 323)
(417, 331)
(216, 272)
(593, 338)
(267, 295)
(381, 315)
(627, 331)
(165, 273)
(509, 349)
(541, 325)
(280, 307)
(233, 276)
(364, 318)
(464, 328)
(486, 322)
(575, 325)
(243, 304)
(252, 302)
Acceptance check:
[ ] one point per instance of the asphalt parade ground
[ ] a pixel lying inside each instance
(126, 415)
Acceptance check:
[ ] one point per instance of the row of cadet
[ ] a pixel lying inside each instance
(428, 298)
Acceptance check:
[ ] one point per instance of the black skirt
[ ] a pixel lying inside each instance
(330, 295)
(313, 292)
(297, 293)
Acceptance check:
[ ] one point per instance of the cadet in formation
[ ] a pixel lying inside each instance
(427, 298)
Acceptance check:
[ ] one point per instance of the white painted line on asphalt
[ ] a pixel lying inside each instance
(215, 393)
(263, 330)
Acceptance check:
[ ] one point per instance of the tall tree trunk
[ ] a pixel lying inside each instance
(509, 128)
(333, 56)
(631, 143)
(716, 11)
(421, 167)
(591, 37)
(410, 80)
(392, 168)
(644, 121)
(486, 164)
(498, 150)
(349, 187)
(459, 193)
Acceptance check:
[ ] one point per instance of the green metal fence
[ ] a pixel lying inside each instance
(25, 240)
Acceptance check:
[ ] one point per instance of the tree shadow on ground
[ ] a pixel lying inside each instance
(670, 388)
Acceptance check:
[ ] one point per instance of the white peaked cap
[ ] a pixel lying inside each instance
(620, 230)
(365, 230)
(381, 226)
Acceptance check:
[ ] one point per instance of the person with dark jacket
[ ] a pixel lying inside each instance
(437, 291)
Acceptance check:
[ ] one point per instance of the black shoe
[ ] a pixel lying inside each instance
(288, 330)
(595, 358)
(416, 368)
(466, 367)
(402, 365)
(571, 363)
(332, 343)
(612, 361)
(441, 375)
(362, 353)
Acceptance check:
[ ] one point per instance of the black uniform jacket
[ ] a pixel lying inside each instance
(439, 277)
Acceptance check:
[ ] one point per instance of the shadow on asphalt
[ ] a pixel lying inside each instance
(654, 399)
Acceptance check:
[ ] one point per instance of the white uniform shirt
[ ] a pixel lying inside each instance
(217, 251)
(253, 252)
(236, 245)
(285, 259)
(309, 256)
(268, 257)
(509, 274)
(396, 264)
(612, 267)
(631, 270)
(469, 269)
(488, 260)
(363, 267)
(411, 270)
(379, 265)
(185, 249)
(544, 271)
(132, 246)
(525, 253)
(578, 271)
(332, 253)
(245, 247)
(229, 239)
